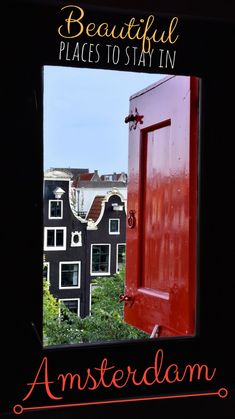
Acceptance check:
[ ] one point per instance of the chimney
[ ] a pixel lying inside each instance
(96, 176)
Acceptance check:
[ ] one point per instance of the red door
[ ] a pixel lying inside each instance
(162, 206)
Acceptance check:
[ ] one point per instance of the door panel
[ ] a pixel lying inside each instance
(162, 193)
(155, 158)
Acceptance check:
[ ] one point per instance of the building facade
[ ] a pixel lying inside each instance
(80, 247)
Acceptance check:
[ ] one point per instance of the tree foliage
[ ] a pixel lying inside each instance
(61, 326)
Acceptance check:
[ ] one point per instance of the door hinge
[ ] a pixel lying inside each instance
(155, 331)
(134, 119)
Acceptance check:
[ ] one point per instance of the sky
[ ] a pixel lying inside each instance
(84, 113)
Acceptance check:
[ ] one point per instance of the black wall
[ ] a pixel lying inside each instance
(71, 253)
(101, 235)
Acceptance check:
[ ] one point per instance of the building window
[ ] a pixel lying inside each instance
(121, 256)
(108, 177)
(46, 271)
(69, 275)
(100, 259)
(55, 209)
(55, 238)
(73, 304)
(76, 238)
(114, 226)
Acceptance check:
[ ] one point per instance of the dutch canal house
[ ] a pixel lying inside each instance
(84, 232)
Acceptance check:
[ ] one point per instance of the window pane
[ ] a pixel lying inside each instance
(45, 272)
(50, 238)
(59, 237)
(76, 238)
(114, 226)
(100, 258)
(121, 256)
(72, 305)
(69, 275)
(55, 209)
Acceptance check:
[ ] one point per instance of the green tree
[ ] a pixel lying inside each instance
(105, 323)
(60, 325)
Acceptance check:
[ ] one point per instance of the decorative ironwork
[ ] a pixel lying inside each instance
(131, 220)
(134, 119)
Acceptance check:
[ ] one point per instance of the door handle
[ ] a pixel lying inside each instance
(131, 220)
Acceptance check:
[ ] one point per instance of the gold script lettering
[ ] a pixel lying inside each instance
(142, 31)
(70, 20)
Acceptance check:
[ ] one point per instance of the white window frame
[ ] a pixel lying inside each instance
(118, 230)
(76, 262)
(100, 273)
(118, 244)
(69, 299)
(79, 243)
(55, 248)
(92, 286)
(49, 209)
(48, 271)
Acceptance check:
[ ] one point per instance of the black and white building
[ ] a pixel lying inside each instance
(82, 245)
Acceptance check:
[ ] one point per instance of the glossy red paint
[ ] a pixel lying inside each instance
(162, 193)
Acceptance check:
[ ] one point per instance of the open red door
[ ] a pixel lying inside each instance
(160, 291)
